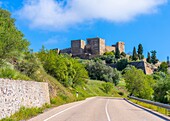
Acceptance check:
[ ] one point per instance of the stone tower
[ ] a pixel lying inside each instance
(121, 46)
(97, 45)
(77, 47)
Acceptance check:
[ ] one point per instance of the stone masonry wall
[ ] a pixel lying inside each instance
(14, 94)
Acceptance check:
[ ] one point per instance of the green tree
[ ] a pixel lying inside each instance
(67, 70)
(162, 88)
(122, 64)
(100, 71)
(154, 59)
(140, 51)
(117, 54)
(135, 55)
(12, 42)
(163, 67)
(139, 84)
(149, 58)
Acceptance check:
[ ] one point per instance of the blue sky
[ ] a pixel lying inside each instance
(54, 23)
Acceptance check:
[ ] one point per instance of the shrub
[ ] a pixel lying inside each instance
(107, 87)
(12, 74)
(122, 64)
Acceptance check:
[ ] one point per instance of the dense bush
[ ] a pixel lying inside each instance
(65, 69)
(121, 64)
(139, 84)
(100, 71)
(12, 74)
(107, 87)
(162, 87)
(12, 42)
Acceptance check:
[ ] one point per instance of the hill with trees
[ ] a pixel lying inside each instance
(66, 75)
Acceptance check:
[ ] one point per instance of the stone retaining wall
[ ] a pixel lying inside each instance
(16, 93)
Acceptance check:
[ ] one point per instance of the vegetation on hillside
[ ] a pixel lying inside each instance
(67, 76)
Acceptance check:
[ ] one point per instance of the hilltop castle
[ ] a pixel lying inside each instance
(94, 47)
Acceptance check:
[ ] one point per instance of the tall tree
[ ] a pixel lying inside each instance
(117, 54)
(148, 58)
(12, 42)
(135, 55)
(140, 51)
(154, 59)
(139, 84)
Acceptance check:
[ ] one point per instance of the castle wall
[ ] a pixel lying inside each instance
(110, 48)
(94, 45)
(102, 46)
(15, 94)
(121, 46)
(67, 50)
(77, 47)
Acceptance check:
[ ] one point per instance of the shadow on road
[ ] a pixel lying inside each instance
(149, 111)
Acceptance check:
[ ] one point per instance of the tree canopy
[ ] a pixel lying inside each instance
(139, 84)
(140, 51)
(12, 42)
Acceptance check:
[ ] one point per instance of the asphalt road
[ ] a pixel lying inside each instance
(100, 109)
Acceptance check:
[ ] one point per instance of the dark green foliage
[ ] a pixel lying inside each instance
(107, 87)
(140, 52)
(100, 71)
(108, 58)
(162, 87)
(163, 67)
(122, 64)
(29, 64)
(139, 84)
(154, 59)
(149, 58)
(123, 54)
(117, 54)
(135, 55)
(12, 43)
(65, 69)
(121, 93)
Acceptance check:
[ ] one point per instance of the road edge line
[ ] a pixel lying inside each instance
(66, 110)
(106, 109)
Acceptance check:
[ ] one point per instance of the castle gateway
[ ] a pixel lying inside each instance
(94, 47)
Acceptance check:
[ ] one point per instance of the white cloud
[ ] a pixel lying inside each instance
(59, 14)
(54, 40)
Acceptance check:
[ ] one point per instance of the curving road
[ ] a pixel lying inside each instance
(100, 109)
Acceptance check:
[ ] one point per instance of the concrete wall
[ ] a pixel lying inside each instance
(14, 94)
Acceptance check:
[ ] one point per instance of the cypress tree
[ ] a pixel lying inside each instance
(154, 59)
(148, 58)
(117, 54)
(135, 55)
(140, 51)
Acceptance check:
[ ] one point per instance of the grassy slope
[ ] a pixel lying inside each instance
(60, 95)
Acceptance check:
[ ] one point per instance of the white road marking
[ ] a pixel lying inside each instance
(65, 110)
(108, 117)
